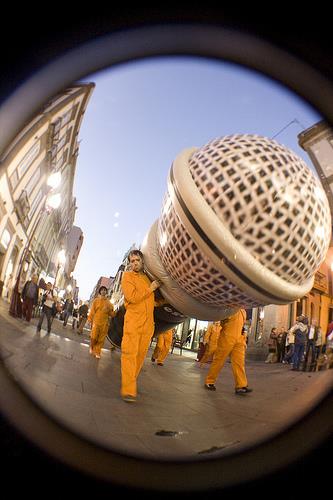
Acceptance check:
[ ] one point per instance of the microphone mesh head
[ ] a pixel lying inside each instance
(267, 199)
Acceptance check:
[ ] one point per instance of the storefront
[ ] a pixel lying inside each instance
(190, 332)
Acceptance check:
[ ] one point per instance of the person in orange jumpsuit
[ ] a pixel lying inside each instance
(139, 324)
(162, 348)
(99, 314)
(210, 340)
(231, 343)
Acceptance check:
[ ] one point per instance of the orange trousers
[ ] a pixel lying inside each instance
(97, 337)
(163, 344)
(232, 345)
(134, 347)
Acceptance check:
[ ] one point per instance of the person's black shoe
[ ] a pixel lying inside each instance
(160, 364)
(129, 399)
(243, 390)
(210, 387)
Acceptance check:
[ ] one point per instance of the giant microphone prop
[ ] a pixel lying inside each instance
(244, 223)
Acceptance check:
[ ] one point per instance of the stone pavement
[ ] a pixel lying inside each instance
(174, 417)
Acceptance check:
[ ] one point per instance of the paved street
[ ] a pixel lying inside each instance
(174, 417)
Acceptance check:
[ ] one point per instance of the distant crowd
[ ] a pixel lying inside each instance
(35, 299)
(304, 346)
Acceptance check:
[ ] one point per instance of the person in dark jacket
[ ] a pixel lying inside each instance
(68, 309)
(272, 346)
(301, 332)
(311, 344)
(30, 294)
(48, 301)
(75, 317)
(83, 315)
(281, 344)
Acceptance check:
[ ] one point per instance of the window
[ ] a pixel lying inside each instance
(33, 181)
(28, 159)
(14, 180)
(66, 117)
(61, 142)
(5, 239)
(35, 204)
(24, 164)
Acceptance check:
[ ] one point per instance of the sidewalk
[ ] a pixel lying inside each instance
(174, 417)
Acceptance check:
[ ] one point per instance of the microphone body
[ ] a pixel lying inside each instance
(244, 223)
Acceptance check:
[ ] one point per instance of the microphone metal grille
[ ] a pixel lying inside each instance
(269, 201)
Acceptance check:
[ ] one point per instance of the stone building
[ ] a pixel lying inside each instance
(37, 206)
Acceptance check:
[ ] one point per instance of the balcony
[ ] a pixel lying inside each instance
(22, 206)
(320, 282)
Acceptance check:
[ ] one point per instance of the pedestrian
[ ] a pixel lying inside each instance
(231, 343)
(272, 346)
(311, 340)
(290, 347)
(329, 350)
(48, 304)
(15, 307)
(68, 309)
(83, 314)
(75, 316)
(138, 327)
(329, 329)
(202, 345)
(329, 343)
(281, 344)
(30, 295)
(300, 331)
(100, 312)
(189, 336)
(319, 342)
(210, 340)
(57, 308)
(162, 348)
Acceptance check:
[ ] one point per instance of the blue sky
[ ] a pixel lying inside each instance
(139, 117)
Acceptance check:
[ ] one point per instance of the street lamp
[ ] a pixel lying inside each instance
(52, 202)
(62, 256)
(54, 180)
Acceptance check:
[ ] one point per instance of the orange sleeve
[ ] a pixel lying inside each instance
(132, 293)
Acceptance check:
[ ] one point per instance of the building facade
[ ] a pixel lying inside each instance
(73, 247)
(37, 207)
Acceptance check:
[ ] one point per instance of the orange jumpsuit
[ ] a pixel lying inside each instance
(99, 314)
(211, 337)
(138, 328)
(231, 342)
(163, 344)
